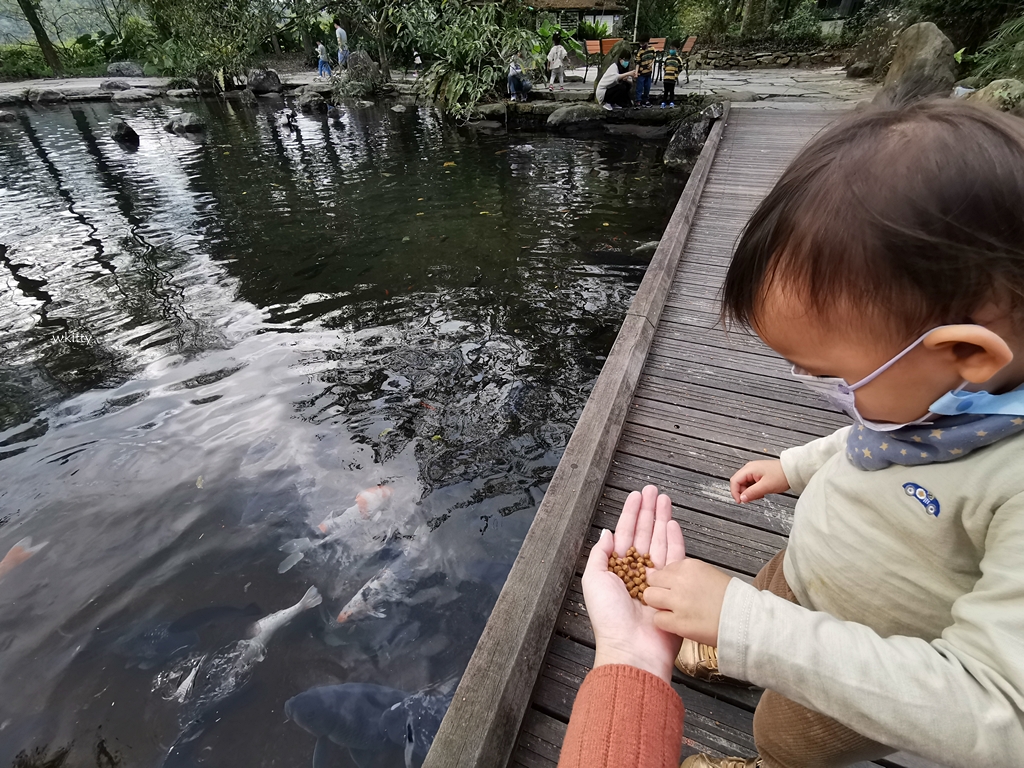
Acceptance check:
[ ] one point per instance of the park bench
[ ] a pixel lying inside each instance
(685, 54)
(591, 48)
(658, 44)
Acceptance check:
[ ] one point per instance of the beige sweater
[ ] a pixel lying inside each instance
(910, 628)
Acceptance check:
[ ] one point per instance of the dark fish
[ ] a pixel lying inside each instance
(366, 719)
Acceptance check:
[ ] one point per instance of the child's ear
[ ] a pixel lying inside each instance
(977, 353)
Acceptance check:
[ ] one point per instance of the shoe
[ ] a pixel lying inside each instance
(700, 662)
(706, 761)
(561, 87)
(551, 88)
(607, 106)
(671, 103)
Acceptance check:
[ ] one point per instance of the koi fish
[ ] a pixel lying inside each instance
(18, 554)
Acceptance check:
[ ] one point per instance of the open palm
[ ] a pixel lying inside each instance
(624, 630)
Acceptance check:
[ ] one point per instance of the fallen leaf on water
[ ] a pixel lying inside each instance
(449, 164)
(385, 432)
(501, 152)
(485, 213)
(406, 239)
(436, 437)
(199, 482)
(420, 213)
(605, 224)
(420, 199)
(388, 175)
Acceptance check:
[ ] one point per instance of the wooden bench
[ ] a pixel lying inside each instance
(685, 54)
(591, 48)
(608, 43)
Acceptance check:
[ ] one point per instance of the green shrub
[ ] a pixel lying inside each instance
(82, 54)
(803, 28)
(968, 23)
(589, 30)
(22, 61)
(1003, 55)
(137, 35)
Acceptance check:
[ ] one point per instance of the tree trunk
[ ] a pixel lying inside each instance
(382, 52)
(753, 18)
(49, 54)
(734, 11)
(276, 43)
(307, 41)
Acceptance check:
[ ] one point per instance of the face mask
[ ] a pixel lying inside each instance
(841, 395)
(671, 51)
(625, 65)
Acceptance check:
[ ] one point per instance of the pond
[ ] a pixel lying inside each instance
(211, 348)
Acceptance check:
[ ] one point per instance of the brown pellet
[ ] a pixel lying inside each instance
(632, 569)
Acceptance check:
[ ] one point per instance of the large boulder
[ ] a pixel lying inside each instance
(7, 117)
(135, 94)
(13, 98)
(123, 133)
(877, 43)
(264, 81)
(922, 66)
(311, 101)
(45, 96)
(183, 93)
(686, 143)
(186, 122)
(1006, 95)
(576, 116)
(363, 69)
(621, 48)
(124, 69)
(860, 69)
(115, 85)
(244, 97)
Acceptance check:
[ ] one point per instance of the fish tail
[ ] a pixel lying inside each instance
(26, 545)
(311, 599)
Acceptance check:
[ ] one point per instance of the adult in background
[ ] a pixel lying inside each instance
(613, 89)
(518, 85)
(556, 63)
(342, 35)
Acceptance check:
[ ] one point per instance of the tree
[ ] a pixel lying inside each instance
(379, 19)
(28, 7)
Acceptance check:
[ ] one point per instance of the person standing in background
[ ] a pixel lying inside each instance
(556, 63)
(644, 71)
(673, 63)
(342, 35)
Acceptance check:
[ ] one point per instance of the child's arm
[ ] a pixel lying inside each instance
(958, 700)
(800, 463)
(626, 715)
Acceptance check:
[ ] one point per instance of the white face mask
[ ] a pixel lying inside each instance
(841, 395)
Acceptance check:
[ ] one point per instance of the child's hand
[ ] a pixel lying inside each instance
(624, 630)
(688, 595)
(756, 479)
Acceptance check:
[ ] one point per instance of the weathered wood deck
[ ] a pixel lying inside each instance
(683, 405)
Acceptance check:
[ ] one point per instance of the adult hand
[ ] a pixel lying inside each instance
(756, 479)
(624, 628)
(688, 595)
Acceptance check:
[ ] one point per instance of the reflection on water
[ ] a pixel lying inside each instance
(210, 348)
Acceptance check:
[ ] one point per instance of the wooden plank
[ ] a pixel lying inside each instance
(481, 725)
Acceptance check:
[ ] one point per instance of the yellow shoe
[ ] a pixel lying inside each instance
(701, 662)
(706, 761)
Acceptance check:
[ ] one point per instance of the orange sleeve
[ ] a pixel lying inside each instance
(623, 717)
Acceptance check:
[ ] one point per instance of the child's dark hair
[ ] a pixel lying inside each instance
(914, 216)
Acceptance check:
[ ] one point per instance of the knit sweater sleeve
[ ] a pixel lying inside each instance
(623, 717)
(802, 462)
(958, 700)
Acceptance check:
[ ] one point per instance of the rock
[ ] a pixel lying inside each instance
(45, 96)
(922, 66)
(647, 249)
(877, 42)
(7, 117)
(310, 101)
(115, 85)
(264, 81)
(121, 132)
(1006, 95)
(124, 69)
(860, 69)
(364, 69)
(12, 98)
(748, 63)
(576, 115)
(353, 89)
(737, 97)
(135, 94)
(324, 89)
(186, 122)
(364, 104)
(686, 143)
(783, 61)
(490, 111)
(334, 113)
(97, 95)
(183, 93)
(244, 97)
(398, 108)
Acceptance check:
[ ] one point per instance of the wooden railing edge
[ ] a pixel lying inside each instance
(481, 725)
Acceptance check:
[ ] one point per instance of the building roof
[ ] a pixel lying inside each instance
(605, 6)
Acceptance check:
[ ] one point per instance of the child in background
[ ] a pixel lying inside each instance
(323, 64)
(887, 265)
(673, 63)
(417, 62)
(644, 71)
(556, 63)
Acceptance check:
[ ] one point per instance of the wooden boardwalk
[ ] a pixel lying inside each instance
(684, 405)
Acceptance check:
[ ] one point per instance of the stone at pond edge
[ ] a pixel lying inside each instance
(183, 93)
(135, 94)
(186, 122)
(12, 98)
(7, 117)
(122, 132)
(244, 97)
(860, 69)
(647, 249)
(398, 108)
(686, 143)
(576, 115)
(923, 65)
(115, 85)
(264, 81)
(45, 96)
(312, 102)
(1006, 95)
(97, 95)
(363, 69)
(124, 69)
(736, 97)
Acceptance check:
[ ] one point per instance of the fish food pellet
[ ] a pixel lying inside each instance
(632, 569)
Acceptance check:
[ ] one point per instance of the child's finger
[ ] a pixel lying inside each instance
(626, 526)
(645, 519)
(657, 597)
(676, 549)
(753, 492)
(659, 539)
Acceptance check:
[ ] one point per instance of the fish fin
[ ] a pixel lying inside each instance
(289, 562)
(311, 599)
(379, 614)
(326, 754)
(26, 544)
(296, 545)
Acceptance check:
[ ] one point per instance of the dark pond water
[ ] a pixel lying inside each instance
(208, 349)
